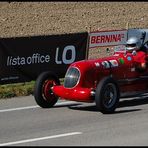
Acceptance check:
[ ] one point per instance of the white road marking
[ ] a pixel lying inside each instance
(41, 138)
(30, 107)
(19, 108)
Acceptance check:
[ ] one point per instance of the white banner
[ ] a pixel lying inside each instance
(107, 38)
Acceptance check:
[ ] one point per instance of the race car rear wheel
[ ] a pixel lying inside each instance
(107, 95)
(43, 94)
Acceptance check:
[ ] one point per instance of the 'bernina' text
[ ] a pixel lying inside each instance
(107, 38)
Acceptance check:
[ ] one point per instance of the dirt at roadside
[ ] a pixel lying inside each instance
(47, 18)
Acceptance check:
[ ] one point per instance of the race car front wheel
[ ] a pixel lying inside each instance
(107, 95)
(43, 94)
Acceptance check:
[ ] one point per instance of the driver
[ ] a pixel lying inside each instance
(134, 46)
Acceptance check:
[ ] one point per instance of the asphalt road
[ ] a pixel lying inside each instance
(23, 123)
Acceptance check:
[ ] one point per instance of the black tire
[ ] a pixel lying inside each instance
(43, 94)
(107, 95)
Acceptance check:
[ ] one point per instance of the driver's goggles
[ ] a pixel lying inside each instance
(131, 45)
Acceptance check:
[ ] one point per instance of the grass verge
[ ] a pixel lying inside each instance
(17, 89)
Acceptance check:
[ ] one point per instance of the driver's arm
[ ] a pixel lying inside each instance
(140, 59)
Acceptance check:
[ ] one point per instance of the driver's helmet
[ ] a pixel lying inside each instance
(133, 43)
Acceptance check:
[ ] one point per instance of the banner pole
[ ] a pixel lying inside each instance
(127, 27)
(88, 39)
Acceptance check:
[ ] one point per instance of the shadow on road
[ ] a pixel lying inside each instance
(84, 108)
(94, 109)
(137, 101)
(126, 111)
(67, 105)
(140, 100)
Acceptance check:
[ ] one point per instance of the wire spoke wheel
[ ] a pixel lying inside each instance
(107, 95)
(48, 95)
(43, 94)
(110, 95)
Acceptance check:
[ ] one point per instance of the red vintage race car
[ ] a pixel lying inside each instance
(103, 81)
